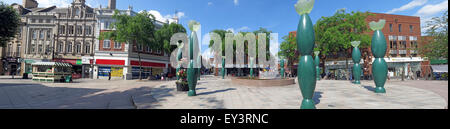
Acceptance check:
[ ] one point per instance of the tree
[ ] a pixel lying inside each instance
(438, 46)
(9, 23)
(288, 50)
(163, 35)
(334, 33)
(138, 29)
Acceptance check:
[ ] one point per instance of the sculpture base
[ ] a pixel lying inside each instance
(357, 82)
(192, 93)
(380, 90)
(308, 104)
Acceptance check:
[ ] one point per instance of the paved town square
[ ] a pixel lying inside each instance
(215, 93)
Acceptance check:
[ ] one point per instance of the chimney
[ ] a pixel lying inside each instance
(30, 4)
(111, 4)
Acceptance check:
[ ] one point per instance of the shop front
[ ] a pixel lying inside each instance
(103, 67)
(152, 70)
(11, 66)
(408, 68)
(77, 66)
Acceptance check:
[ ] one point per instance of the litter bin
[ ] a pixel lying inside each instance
(68, 79)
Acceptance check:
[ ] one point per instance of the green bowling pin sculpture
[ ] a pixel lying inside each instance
(305, 45)
(223, 67)
(356, 56)
(379, 66)
(251, 67)
(282, 68)
(192, 71)
(317, 63)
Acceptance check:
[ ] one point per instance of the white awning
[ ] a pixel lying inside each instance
(52, 64)
(440, 68)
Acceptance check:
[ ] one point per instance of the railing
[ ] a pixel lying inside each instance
(401, 51)
(393, 52)
(13, 54)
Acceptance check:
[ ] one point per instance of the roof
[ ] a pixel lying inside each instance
(52, 64)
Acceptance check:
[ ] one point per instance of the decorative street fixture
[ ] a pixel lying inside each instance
(199, 62)
(223, 67)
(356, 56)
(282, 68)
(251, 67)
(305, 45)
(317, 63)
(192, 72)
(179, 56)
(379, 66)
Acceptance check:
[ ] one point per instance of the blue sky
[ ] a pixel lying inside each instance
(278, 16)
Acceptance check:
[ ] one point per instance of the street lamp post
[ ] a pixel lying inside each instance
(305, 45)
(379, 47)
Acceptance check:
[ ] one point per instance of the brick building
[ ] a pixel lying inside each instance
(403, 37)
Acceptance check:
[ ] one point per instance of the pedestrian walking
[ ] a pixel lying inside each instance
(109, 76)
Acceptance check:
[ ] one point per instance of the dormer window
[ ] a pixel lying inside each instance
(77, 12)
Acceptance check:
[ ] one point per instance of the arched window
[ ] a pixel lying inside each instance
(87, 48)
(78, 48)
(69, 47)
(60, 47)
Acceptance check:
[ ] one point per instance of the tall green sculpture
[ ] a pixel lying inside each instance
(305, 45)
(251, 67)
(356, 56)
(223, 67)
(192, 71)
(199, 61)
(379, 66)
(317, 63)
(282, 68)
(179, 56)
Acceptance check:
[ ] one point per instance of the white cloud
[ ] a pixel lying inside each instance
(410, 5)
(207, 53)
(210, 3)
(159, 17)
(243, 28)
(236, 2)
(429, 10)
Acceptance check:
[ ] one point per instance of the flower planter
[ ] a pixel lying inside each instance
(182, 86)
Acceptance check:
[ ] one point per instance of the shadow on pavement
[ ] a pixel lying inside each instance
(370, 88)
(39, 96)
(317, 96)
(217, 91)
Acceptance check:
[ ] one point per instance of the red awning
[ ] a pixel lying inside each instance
(148, 64)
(110, 62)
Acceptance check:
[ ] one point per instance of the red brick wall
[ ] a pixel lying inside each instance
(122, 48)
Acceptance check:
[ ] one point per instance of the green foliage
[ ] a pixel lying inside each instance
(163, 35)
(9, 23)
(437, 48)
(335, 33)
(133, 29)
(288, 48)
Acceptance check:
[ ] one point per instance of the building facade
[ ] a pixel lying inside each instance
(122, 59)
